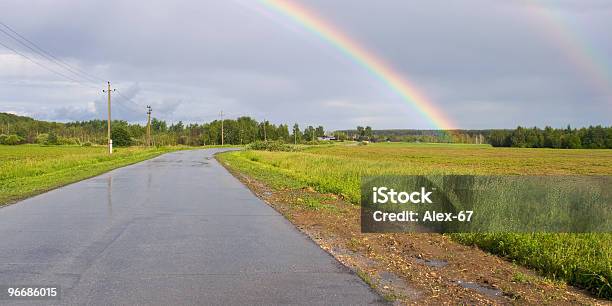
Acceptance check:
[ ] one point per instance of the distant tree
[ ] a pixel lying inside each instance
(309, 132)
(177, 127)
(367, 132)
(320, 131)
(282, 132)
(12, 140)
(500, 138)
(518, 138)
(573, 141)
(551, 138)
(296, 135)
(533, 138)
(360, 131)
(52, 139)
(158, 125)
(120, 137)
(340, 136)
(42, 138)
(594, 138)
(264, 131)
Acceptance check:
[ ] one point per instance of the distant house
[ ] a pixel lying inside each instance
(321, 138)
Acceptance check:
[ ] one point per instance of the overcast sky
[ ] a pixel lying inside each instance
(486, 64)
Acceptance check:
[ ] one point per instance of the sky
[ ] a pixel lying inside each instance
(483, 63)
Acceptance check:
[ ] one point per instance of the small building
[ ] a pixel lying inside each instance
(322, 138)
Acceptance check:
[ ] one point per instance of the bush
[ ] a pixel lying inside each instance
(52, 139)
(42, 138)
(270, 146)
(12, 140)
(3, 138)
(66, 141)
(86, 144)
(121, 137)
(318, 142)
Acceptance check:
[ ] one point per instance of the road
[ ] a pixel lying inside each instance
(174, 230)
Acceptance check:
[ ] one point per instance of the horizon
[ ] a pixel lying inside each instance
(304, 125)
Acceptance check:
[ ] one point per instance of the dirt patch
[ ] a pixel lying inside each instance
(413, 268)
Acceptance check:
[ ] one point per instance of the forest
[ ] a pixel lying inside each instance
(243, 130)
(593, 137)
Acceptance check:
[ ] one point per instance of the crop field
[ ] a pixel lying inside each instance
(26, 170)
(584, 260)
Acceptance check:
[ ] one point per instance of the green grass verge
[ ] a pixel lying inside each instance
(27, 170)
(584, 260)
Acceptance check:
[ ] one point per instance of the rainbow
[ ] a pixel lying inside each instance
(361, 56)
(581, 55)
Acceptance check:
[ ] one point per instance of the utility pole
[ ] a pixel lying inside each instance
(294, 136)
(110, 141)
(149, 110)
(312, 137)
(221, 114)
(265, 134)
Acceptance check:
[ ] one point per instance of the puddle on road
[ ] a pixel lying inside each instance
(386, 282)
(486, 290)
(389, 280)
(167, 161)
(356, 258)
(190, 163)
(436, 263)
(198, 163)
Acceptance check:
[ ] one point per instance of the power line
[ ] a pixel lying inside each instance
(124, 97)
(47, 68)
(127, 99)
(49, 56)
(45, 57)
(125, 108)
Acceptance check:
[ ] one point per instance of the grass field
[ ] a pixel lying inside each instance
(27, 170)
(584, 260)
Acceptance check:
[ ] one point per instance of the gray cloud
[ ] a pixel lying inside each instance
(485, 63)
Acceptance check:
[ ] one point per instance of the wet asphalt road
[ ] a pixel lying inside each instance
(174, 230)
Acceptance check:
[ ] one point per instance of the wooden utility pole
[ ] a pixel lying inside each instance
(265, 134)
(110, 141)
(149, 110)
(221, 114)
(241, 132)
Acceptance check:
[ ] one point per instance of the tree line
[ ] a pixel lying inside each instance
(593, 137)
(243, 130)
(410, 135)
